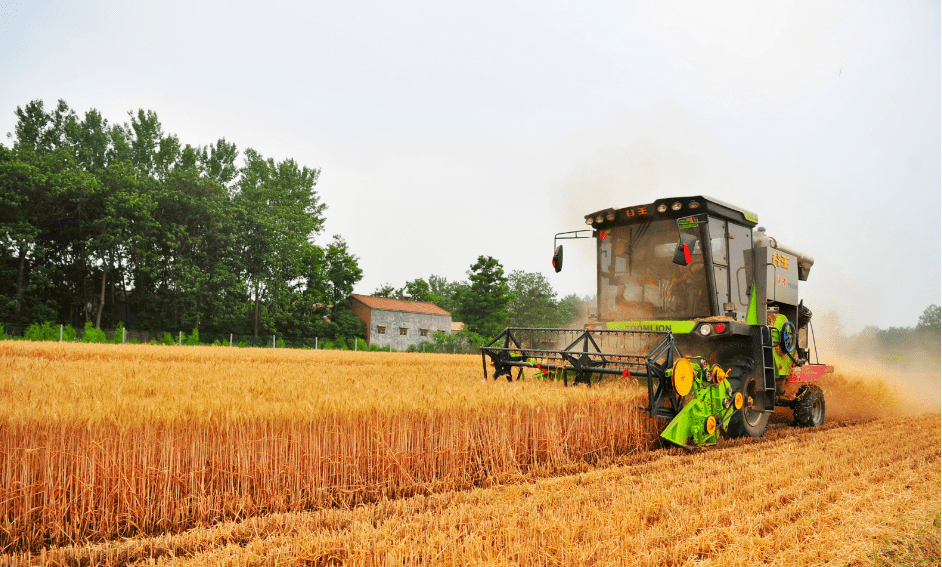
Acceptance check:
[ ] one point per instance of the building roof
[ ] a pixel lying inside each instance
(400, 305)
(457, 326)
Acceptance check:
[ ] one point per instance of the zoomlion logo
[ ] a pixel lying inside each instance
(649, 327)
(672, 326)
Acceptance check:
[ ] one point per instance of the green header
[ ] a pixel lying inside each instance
(753, 218)
(676, 327)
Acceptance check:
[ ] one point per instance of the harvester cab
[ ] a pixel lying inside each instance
(700, 305)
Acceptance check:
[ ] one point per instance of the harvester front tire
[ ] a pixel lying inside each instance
(751, 420)
(809, 406)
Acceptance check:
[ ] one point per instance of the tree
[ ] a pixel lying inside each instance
(277, 210)
(930, 320)
(417, 290)
(444, 293)
(532, 302)
(483, 304)
(570, 309)
(386, 290)
(342, 271)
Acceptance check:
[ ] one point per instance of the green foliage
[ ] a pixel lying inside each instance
(118, 334)
(385, 290)
(417, 290)
(280, 343)
(217, 343)
(424, 346)
(168, 340)
(532, 300)
(483, 305)
(41, 332)
(193, 339)
(931, 320)
(460, 342)
(340, 343)
(199, 241)
(569, 309)
(445, 294)
(3, 335)
(68, 333)
(93, 335)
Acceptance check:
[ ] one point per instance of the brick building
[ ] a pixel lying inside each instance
(399, 322)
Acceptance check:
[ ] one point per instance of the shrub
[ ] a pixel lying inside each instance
(93, 335)
(281, 343)
(193, 339)
(118, 334)
(168, 340)
(3, 336)
(217, 343)
(68, 333)
(41, 332)
(340, 344)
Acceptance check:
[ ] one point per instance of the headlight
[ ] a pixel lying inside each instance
(610, 216)
(662, 208)
(676, 206)
(704, 330)
(693, 205)
(588, 220)
(599, 219)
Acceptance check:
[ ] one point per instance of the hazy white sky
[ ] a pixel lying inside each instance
(446, 130)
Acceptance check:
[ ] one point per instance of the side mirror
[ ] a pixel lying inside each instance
(558, 258)
(682, 254)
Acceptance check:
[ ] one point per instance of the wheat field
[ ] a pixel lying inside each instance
(105, 441)
(114, 455)
(845, 494)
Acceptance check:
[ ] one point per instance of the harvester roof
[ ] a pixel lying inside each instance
(672, 208)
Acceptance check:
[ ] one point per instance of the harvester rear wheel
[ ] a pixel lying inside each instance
(809, 406)
(751, 420)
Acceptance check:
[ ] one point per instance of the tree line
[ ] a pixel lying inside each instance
(124, 224)
(491, 300)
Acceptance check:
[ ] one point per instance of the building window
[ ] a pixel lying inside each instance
(403, 330)
(380, 329)
(441, 330)
(423, 332)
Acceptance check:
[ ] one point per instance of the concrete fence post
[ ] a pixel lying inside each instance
(124, 334)
(315, 343)
(230, 339)
(273, 341)
(180, 338)
(60, 332)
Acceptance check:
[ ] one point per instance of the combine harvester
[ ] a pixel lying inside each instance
(686, 275)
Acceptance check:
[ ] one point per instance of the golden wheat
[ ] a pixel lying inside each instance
(105, 441)
(865, 494)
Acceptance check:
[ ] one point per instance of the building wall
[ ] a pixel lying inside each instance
(362, 311)
(413, 322)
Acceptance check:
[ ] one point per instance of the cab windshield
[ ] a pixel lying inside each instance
(638, 279)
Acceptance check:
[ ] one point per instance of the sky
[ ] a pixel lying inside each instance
(449, 130)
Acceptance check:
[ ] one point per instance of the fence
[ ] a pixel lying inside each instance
(120, 335)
